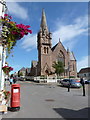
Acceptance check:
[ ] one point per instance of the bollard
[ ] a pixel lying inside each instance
(69, 86)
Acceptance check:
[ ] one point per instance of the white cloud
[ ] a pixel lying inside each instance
(17, 10)
(28, 49)
(67, 33)
(84, 62)
(29, 42)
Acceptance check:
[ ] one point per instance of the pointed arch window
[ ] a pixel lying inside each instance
(45, 50)
(61, 57)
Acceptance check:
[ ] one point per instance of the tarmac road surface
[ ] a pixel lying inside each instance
(50, 101)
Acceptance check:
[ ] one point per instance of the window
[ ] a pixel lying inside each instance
(84, 75)
(61, 57)
(44, 49)
(47, 49)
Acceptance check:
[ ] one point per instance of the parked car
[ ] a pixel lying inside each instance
(87, 81)
(64, 82)
(73, 83)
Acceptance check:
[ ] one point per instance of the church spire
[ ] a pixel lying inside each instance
(67, 49)
(59, 40)
(43, 21)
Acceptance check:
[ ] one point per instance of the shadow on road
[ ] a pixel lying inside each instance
(69, 113)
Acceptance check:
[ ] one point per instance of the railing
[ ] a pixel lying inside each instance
(48, 79)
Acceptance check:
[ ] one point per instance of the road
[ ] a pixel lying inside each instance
(50, 101)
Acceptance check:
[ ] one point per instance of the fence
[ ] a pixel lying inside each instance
(48, 79)
(40, 79)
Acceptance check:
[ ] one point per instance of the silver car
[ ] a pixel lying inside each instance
(72, 82)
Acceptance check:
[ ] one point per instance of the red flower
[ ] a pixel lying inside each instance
(5, 15)
(14, 32)
(30, 31)
(10, 17)
(10, 68)
(5, 66)
(7, 69)
(28, 26)
(24, 27)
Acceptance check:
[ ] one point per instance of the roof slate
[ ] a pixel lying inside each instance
(72, 56)
(54, 47)
(84, 70)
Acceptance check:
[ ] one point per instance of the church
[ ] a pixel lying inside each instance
(47, 54)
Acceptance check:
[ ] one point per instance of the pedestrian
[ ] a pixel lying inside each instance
(11, 80)
(82, 81)
(83, 85)
(14, 80)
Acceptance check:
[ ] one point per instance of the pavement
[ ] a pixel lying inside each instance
(42, 100)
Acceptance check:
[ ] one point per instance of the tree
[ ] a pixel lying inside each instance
(11, 75)
(20, 74)
(59, 67)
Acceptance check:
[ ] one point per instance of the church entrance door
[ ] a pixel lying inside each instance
(47, 73)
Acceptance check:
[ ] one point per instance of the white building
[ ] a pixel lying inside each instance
(85, 73)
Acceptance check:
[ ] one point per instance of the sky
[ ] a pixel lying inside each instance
(66, 20)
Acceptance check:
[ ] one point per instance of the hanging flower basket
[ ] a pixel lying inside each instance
(7, 69)
(6, 94)
(11, 32)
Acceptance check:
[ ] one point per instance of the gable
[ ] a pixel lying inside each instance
(57, 48)
(58, 45)
(72, 57)
(53, 48)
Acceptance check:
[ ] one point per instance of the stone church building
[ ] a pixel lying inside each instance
(48, 54)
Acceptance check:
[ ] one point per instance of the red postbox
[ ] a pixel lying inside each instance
(15, 97)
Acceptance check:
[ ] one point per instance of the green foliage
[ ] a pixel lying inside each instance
(20, 74)
(72, 76)
(6, 94)
(43, 77)
(11, 75)
(11, 32)
(59, 77)
(59, 67)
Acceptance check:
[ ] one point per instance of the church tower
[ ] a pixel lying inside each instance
(44, 47)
